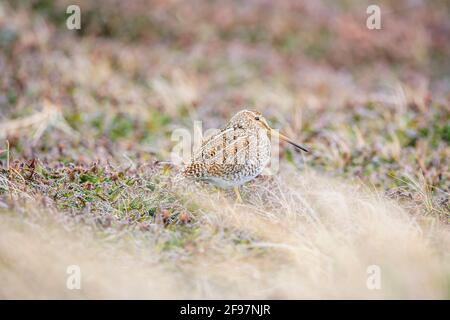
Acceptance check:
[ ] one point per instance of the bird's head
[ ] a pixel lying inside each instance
(251, 120)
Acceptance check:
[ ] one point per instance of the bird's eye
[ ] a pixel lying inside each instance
(256, 118)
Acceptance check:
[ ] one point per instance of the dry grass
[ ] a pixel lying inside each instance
(298, 236)
(86, 119)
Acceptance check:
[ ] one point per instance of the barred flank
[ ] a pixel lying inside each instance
(195, 170)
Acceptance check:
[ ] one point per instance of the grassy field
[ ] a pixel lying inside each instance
(86, 123)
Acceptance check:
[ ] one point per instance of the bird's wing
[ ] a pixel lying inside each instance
(210, 143)
(232, 147)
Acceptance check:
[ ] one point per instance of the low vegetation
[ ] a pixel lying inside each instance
(86, 122)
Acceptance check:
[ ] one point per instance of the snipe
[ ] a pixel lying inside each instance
(236, 154)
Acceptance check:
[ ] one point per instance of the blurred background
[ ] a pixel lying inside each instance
(85, 116)
(372, 104)
(137, 69)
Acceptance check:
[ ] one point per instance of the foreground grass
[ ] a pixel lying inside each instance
(297, 236)
(84, 127)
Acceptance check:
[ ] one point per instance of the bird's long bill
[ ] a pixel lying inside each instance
(283, 137)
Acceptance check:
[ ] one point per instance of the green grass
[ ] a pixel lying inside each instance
(373, 109)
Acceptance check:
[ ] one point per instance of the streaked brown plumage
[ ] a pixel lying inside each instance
(235, 155)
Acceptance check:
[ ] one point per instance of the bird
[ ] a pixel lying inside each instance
(237, 154)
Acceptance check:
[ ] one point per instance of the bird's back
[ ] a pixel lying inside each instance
(231, 157)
